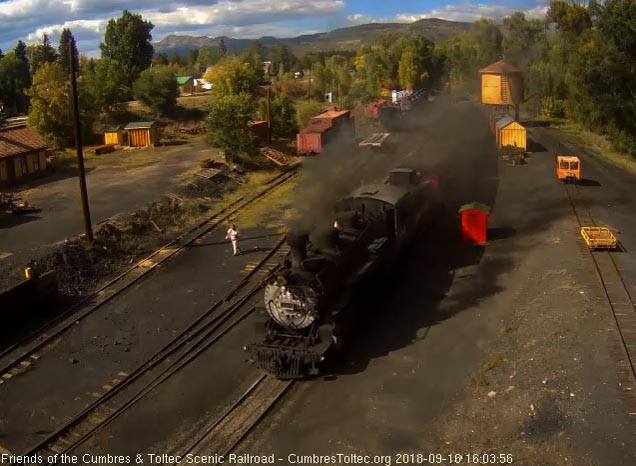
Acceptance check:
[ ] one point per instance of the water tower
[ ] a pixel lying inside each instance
(501, 87)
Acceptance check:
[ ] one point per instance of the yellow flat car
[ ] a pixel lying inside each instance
(598, 237)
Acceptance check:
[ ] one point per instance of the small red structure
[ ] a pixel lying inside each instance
(474, 222)
(260, 130)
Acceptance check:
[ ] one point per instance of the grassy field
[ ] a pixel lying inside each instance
(595, 144)
(268, 213)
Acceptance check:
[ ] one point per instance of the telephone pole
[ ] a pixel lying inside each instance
(269, 115)
(88, 227)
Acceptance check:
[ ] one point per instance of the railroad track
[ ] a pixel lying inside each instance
(222, 317)
(613, 283)
(12, 364)
(227, 431)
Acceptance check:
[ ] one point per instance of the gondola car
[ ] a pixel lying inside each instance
(308, 304)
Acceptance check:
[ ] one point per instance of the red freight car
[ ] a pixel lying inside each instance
(323, 128)
(372, 110)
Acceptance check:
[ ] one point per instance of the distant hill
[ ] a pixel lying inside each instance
(349, 38)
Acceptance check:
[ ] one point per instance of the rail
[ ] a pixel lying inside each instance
(227, 431)
(612, 281)
(45, 334)
(184, 348)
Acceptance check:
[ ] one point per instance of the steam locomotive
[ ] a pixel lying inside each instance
(308, 303)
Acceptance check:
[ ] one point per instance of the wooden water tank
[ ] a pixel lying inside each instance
(501, 84)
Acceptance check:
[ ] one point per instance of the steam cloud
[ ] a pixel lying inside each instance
(439, 139)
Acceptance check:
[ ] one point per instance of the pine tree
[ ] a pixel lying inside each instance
(23, 76)
(43, 53)
(222, 48)
(67, 38)
(127, 42)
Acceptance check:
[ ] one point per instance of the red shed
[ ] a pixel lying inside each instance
(260, 130)
(474, 222)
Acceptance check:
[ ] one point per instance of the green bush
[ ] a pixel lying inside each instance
(228, 124)
(306, 110)
(157, 88)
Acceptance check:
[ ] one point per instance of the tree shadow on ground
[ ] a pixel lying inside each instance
(174, 142)
(535, 123)
(10, 221)
(535, 146)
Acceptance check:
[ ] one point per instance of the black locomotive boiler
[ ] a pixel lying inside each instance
(308, 302)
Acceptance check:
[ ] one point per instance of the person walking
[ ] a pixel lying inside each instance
(233, 236)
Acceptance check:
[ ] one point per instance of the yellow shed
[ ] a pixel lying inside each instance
(510, 133)
(501, 84)
(142, 133)
(114, 135)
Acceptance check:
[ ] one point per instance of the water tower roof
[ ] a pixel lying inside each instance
(500, 67)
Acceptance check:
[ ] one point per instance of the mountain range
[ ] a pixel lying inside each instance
(349, 38)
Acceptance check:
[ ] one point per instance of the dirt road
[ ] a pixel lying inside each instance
(112, 188)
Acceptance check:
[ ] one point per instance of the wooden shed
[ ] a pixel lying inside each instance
(186, 85)
(501, 84)
(142, 133)
(114, 135)
(509, 132)
(22, 155)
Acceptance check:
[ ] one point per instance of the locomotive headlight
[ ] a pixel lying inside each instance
(293, 307)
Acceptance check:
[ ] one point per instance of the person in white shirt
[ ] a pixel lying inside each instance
(233, 236)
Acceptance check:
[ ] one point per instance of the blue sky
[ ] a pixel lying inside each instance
(29, 19)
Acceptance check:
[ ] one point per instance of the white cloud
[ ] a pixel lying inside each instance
(29, 19)
(466, 11)
(359, 18)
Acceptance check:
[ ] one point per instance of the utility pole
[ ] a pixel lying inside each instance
(269, 115)
(309, 88)
(88, 227)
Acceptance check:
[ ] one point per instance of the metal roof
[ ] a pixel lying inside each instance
(505, 121)
(388, 193)
(181, 80)
(17, 140)
(475, 205)
(332, 114)
(113, 128)
(139, 125)
(500, 67)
